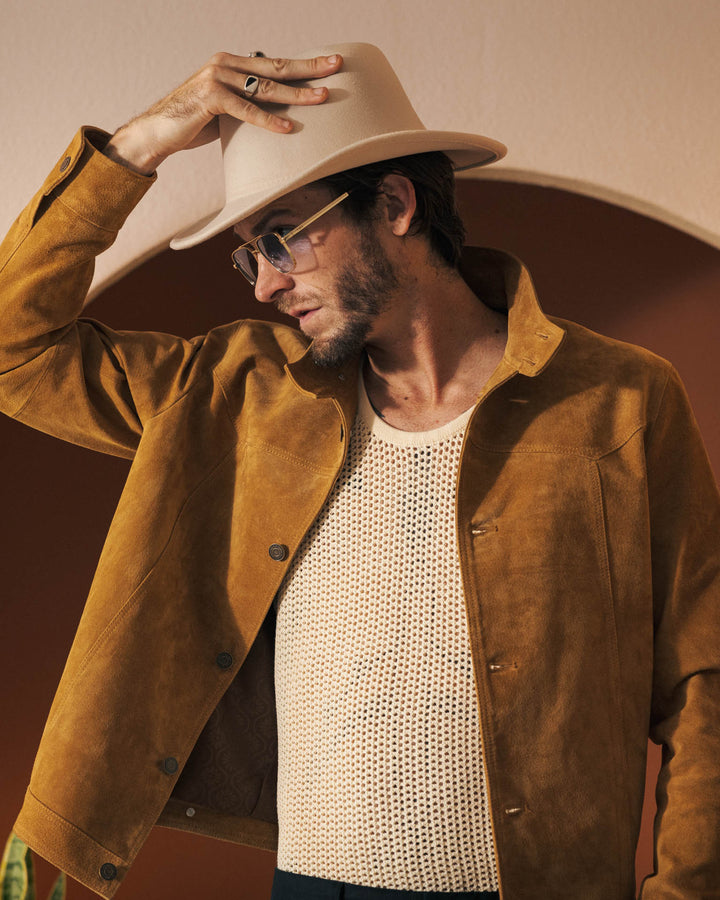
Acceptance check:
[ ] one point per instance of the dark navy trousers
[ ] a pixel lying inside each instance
(288, 886)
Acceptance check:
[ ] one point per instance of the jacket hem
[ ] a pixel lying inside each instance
(186, 816)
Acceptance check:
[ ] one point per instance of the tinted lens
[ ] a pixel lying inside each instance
(275, 253)
(246, 262)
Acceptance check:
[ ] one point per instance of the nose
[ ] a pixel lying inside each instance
(269, 281)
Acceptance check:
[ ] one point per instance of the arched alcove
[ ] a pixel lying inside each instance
(613, 270)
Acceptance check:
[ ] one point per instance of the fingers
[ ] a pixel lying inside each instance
(269, 91)
(277, 69)
(232, 71)
(243, 109)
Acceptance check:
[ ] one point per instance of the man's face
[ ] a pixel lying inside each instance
(343, 280)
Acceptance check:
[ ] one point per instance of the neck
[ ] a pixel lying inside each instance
(432, 351)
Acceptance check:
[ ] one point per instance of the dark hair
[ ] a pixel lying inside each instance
(436, 216)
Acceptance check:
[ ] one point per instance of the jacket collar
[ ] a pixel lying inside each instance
(501, 281)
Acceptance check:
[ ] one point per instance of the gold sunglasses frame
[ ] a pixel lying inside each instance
(252, 245)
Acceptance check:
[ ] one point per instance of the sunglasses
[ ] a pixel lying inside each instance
(274, 247)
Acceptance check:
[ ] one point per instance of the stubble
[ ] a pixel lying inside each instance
(364, 287)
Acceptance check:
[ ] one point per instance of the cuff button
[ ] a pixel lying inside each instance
(63, 165)
(108, 872)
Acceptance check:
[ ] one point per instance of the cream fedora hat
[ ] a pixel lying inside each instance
(367, 117)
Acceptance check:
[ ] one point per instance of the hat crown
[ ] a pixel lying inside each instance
(365, 100)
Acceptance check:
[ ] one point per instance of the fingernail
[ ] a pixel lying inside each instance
(333, 59)
(319, 92)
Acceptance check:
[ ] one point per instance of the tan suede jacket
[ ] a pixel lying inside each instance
(588, 533)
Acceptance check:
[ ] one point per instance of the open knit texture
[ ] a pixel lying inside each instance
(381, 777)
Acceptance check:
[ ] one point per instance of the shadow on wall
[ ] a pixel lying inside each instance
(612, 270)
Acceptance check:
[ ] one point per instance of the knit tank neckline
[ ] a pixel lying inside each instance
(397, 436)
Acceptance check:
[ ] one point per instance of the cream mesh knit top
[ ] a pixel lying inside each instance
(380, 770)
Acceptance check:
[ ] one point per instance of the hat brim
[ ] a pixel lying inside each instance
(466, 151)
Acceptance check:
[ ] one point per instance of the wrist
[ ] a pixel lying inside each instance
(128, 148)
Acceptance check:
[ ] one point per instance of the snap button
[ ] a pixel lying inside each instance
(500, 667)
(224, 660)
(479, 529)
(63, 165)
(190, 811)
(278, 552)
(170, 765)
(108, 872)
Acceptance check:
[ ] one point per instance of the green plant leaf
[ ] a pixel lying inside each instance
(58, 891)
(30, 875)
(17, 878)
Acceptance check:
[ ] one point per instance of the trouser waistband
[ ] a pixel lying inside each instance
(289, 886)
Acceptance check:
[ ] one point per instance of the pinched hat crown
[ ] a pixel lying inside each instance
(367, 117)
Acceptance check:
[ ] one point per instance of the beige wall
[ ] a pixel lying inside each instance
(610, 98)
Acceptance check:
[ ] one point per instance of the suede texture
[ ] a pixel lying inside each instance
(588, 533)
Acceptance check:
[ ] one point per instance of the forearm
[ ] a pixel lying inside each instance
(47, 259)
(58, 373)
(685, 526)
(688, 795)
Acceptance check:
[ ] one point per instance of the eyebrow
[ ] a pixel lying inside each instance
(261, 226)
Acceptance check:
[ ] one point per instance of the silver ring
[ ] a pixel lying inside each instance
(249, 88)
(256, 53)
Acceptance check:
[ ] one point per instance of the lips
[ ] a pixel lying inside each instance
(302, 313)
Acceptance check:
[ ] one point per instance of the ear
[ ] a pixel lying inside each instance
(400, 202)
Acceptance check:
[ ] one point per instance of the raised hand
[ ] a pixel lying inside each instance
(187, 117)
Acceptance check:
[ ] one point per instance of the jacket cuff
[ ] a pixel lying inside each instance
(95, 187)
(69, 849)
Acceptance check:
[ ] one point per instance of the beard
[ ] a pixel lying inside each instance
(364, 286)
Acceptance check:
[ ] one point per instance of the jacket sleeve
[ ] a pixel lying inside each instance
(685, 523)
(73, 377)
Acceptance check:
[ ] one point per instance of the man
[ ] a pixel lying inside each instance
(474, 549)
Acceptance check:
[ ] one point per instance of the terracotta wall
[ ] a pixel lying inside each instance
(610, 269)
